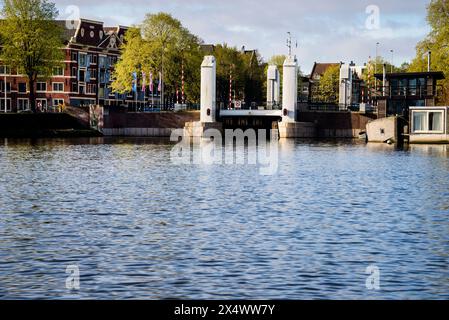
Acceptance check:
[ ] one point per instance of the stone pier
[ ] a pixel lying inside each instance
(208, 113)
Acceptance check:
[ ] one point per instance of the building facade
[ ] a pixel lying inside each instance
(403, 90)
(91, 51)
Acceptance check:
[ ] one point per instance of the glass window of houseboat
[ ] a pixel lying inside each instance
(436, 121)
(402, 86)
(412, 85)
(419, 120)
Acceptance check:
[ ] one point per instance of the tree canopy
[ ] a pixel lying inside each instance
(437, 41)
(328, 86)
(160, 44)
(31, 40)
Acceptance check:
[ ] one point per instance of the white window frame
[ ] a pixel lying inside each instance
(23, 100)
(58, 83)
(2, 104)
(37, 90)
(57, 74)
(18, 86)
(40, 100)
(57, 102)
(427, 112)
(5, 70)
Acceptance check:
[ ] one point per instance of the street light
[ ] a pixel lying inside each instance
(377, 55)
(392, 56)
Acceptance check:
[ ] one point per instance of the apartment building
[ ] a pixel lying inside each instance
(91, 51)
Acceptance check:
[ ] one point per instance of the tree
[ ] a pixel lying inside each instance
(278, 61)
(160, 45)
(248, 74)
(328, 86)
(31, 40)
(437, 41)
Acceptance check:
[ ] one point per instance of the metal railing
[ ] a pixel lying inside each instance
(334, 107)
(420, 91)
(249, 106)
(159, 107)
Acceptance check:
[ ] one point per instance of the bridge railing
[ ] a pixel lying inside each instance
(242, 105)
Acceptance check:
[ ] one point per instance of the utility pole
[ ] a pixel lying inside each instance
(392, 56)
(377, 56)
(162, 76)
(6, 97)
(289, 43)
(375, 65)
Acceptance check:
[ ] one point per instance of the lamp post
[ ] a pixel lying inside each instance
(375, 65)
(392, 57)
(6, 96)
(377, 56)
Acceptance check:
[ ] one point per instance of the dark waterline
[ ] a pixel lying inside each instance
(139, 226)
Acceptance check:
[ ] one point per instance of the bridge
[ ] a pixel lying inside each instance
(267, 117)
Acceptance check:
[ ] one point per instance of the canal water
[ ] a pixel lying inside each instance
(136, 225)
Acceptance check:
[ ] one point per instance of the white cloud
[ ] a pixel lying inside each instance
(327, 30)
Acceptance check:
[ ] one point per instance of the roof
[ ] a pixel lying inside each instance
(68, 27)
(320, 68)
(438, 75)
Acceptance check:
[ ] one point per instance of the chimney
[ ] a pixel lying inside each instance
(429, 56)
(384, 78)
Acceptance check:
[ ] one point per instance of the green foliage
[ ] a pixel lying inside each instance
(160, 44)
(328, 86)
(437, 41)
(248, 74)
(31, 40)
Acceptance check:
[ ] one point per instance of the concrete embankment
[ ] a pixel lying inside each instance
(151, 124)
(337, 124)
(26, 125)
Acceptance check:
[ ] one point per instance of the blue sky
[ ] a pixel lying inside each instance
(326, 30)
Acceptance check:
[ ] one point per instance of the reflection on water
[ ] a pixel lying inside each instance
(140, 227)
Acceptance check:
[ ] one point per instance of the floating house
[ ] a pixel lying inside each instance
(429, 125)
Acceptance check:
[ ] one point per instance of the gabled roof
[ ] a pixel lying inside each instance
(69, 28)
(320, 68)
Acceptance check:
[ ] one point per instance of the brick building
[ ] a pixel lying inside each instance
(91, 50)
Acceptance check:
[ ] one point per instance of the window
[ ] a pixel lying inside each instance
(91, 89)
(58, 86)
(428, 121)
(93, 74)
(5, 70)
(2, 86)
(435, 121)
(94, 59)
(8, 104)
(22, 87)
(58, 71)
(74, 72)
(74, 87)
(58, 102)
(41, 87)
(82, 75)
(419, 120)
(83, 60)
(81, 89)
(22, 104)
(42, 104)
(74, 56)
